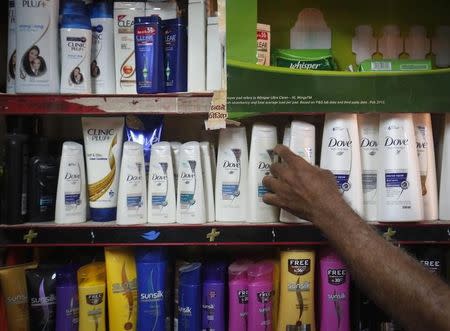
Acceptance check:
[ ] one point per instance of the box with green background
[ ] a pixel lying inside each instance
(259, 89)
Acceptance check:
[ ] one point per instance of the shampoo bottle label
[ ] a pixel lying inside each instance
(232, 174)
(134, 181)
(160, 187)
(422, 152)
(188, 185)
(263, 169)
(369, 151)
(72, 187)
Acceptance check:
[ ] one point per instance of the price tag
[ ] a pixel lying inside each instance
(217, 116)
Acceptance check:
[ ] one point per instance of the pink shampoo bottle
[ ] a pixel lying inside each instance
(238, 296)
(260, 293)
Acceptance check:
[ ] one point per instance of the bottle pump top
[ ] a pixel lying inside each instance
(190, 274)
(391, 43)
(262, 271)
(215, 272)
(154, 255)
(417, 45)
(364, 44)
(310, 31)
(238, 270)
(441, 46)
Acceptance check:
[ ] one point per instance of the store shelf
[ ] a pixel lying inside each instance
(182, 103)
(105, 234)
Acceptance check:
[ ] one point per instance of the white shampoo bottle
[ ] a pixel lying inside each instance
(399, 189)
(205, 153)
(341, 155)
(368, 134)
(175, 148)
(427, 165)
(71, 196)
(301, 139)
(262, 156)
(161, 185)
(231, 176)
(132, 200)
(444, 202)
(190, 197)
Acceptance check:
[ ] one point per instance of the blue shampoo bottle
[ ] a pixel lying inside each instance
(213, 304)
(149, 53)
(190, 298)
(151, 267)
(175, 51)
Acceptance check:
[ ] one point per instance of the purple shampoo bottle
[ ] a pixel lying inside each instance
(238, 296)
(334, 293)
(67, 308)
(213, 303)
(260, 292)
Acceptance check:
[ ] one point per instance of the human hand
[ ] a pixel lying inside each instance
(304, 190)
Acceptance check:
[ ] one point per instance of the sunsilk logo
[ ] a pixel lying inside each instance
(100, 134)
(187, 176)
(366, 142)
(17, 300)
(208, 307)
(123, 22)
(51, 299)
(152, 296)
(228, 164)
(35, 3)
(334, 142)
(395, 142)
(186, 311)
(76, 44)
(263, 166)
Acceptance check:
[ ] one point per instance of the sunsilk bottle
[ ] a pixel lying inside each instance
(76, 43)
(190, 298)
(152, 289)
(149, 53)
(260, 292)
(102, 59)
(175, 50)
(238, 296)
(334, 293)
(213, 304)
(67, 308)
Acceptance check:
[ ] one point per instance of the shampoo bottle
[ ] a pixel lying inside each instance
(427, 165)
(444, 205)
(67, 308)
(102, 59)
(92, 296)
(341, 155)
(238, 296)
(301, 139)
(205, 153)
(175, 148)
(190, 197)
(213, 303)
(71, 201)
(175, 52)
(190, 297)
(166, 9)
(152, 269)
(400, 194)
(161, 185)
(76, 44)
(262, 156)
(232, 167)
(37, 46)
(149, 52)
(297, 290)
(132, 201)
(260, 291)
(368, 135)
(12, 57)
(334, 293)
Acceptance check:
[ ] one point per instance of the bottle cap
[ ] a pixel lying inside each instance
(71, 148)
(154, 255)
(190, 274)
(215, 272)
(102, 9)
(262, 271)
(364, 44)
(76, 21)
(391, 43)
(310, 31)
(417, 45)
(238, 270)
(74, 7)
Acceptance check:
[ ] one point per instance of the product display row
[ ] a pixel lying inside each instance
(384, 167)
(106, 48)
(147, 288)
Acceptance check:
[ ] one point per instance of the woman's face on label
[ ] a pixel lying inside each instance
(32, 54)
(36, 64)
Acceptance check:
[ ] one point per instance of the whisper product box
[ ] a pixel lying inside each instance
(124, 14)
(395, 65)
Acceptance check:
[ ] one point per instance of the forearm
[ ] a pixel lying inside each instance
(375, 265)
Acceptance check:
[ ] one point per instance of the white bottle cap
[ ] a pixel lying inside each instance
(391, 43)
(417, 45)
(441, 46)
(364, 44)
(310, 31)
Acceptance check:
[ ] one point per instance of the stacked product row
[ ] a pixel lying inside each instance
(384, 166)
(137, 47)
(147, 289)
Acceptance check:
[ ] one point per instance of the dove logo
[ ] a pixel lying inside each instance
(339, 143)
(366, 142)
(390, 141)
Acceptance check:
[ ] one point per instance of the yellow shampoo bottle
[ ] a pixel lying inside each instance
(122, 289)
(92, 296)
(296, 311)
